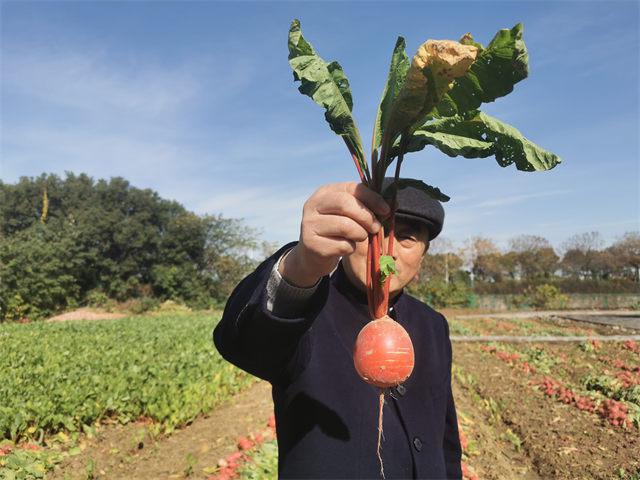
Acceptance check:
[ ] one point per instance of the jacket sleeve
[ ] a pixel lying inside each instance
(258, 341)
(451, 442)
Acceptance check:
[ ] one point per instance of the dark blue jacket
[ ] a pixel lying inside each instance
(326, 416)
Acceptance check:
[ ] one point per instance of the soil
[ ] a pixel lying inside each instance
(132, 452)
(490, 454)
(513, 430)
(560, 441)
(86, 314)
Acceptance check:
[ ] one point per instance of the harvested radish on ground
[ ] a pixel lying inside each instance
(432, 99)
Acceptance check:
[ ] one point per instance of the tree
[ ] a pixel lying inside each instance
(112, 238)
(442, 260)
(480, 255)
(627, 250)
(534, 256)
(580, 254)
(605, 264)
(440, 266)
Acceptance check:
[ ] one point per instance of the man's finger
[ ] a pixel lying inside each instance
(345, 204)
(371, 199)
(339, 226)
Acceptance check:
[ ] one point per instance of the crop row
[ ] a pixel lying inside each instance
(515, 326)
(612, 408)
(64, 376)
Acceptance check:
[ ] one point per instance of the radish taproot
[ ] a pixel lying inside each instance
(383, 354)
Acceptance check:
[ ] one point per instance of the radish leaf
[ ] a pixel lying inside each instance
(328, 86)
(397, 73)
(497, 69)
(387, 267)
(433, 67)
(477, 135)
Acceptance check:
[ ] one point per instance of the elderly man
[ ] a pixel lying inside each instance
(294, 322)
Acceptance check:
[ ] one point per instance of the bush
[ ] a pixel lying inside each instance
(545, 296)
(169, 306)
(142, 305)
(39, 269)
(440, 294)
(565, 285)
(16, 309)
(97, 298)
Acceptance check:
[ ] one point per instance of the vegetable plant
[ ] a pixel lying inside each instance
(432, 99)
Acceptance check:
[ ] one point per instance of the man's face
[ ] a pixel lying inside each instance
(409, 248)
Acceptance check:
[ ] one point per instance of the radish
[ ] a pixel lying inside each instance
(383, 353)
(383, 357)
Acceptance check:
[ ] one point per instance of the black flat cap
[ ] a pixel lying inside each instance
(416, 205)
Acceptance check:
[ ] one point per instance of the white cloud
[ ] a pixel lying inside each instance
(512, 199)
(276, 212)
(90, 81)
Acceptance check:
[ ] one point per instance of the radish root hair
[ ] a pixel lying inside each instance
(380, 431)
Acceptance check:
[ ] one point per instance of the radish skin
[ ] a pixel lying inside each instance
(383, 354)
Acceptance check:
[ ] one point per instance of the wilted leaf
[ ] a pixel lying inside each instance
(433, 68)
(497, 69)
(467, 39)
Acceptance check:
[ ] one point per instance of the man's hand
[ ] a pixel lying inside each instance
(334, 219)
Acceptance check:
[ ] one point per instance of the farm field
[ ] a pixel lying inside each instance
(149, 397)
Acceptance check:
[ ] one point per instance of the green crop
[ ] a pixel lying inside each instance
(61, 376)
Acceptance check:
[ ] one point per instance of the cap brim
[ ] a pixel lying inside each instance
(433, 228)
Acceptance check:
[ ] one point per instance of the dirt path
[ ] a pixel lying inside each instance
(490, 453)
(130, 451)
(86, 314)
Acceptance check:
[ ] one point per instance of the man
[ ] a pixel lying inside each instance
(294, 321)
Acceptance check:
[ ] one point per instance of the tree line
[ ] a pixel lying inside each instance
(66, 242)
(582, 264)
(73, 241)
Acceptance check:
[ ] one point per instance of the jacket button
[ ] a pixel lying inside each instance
(417, 443)
(401, 389)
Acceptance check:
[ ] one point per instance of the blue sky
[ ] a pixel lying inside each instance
(196, 101)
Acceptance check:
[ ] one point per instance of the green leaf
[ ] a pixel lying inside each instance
(497, 69)
(478, 135)
(328, 86)
(508, 144)
(433, 192)
(387, 267)
(397, 73)
(449, 143)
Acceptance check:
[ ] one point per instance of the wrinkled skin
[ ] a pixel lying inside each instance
(410, 248)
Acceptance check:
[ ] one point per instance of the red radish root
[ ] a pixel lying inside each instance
(383, 354)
